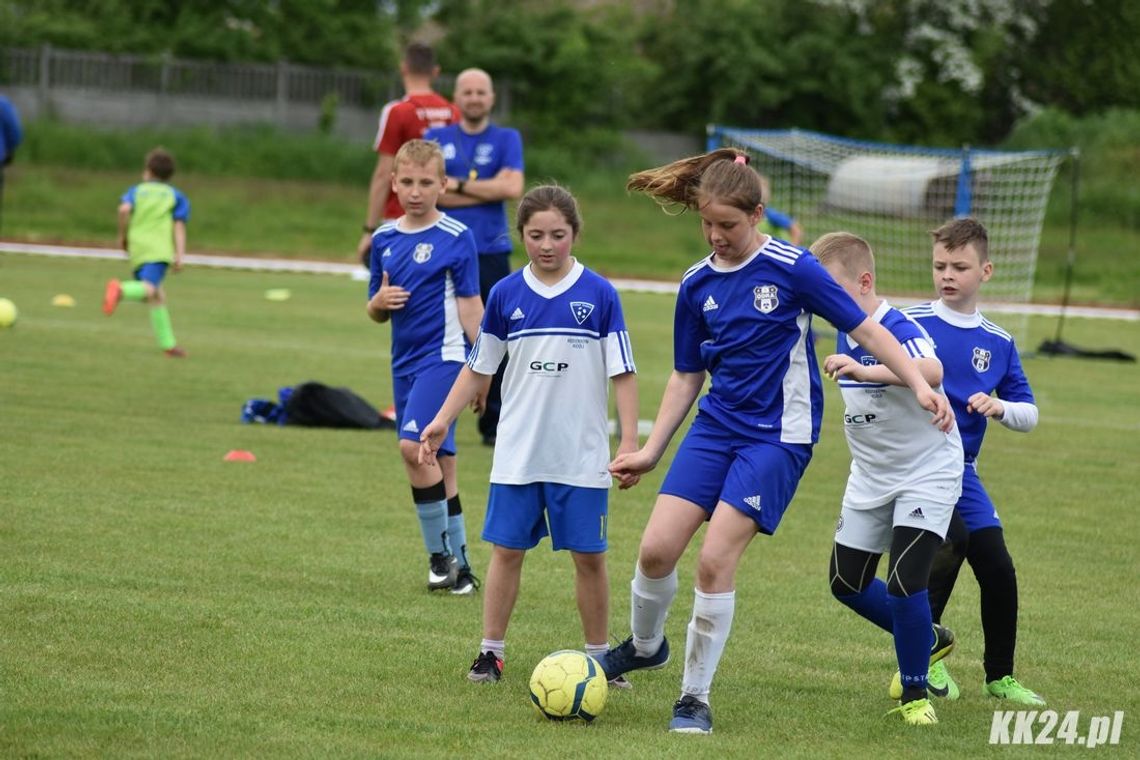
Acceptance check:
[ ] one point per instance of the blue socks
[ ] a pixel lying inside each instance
(431, 507)
(872, 604)
(913, 637)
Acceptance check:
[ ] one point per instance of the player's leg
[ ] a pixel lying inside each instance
(417, 403)
(997, 585)
(465, 582)
(947, 563)
(138, 290)
(513, 524)
(757, 489)
(917, 642)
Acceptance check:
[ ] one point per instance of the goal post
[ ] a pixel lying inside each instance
(893, 195)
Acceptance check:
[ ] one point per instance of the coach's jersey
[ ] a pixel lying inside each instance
(977, 356)
(481, 156)
(563, 343)
(155, 207)
(436, 265)
(893, 444)
(408, 119)
(750, 328)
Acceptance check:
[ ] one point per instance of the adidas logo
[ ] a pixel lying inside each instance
(916, 514)
(710, 305)
(517, 314)
(412, 427)
(752, 501)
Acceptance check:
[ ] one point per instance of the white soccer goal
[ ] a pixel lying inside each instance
(893, 195)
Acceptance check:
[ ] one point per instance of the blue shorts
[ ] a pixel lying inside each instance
(419, 397)
(152, 272)
(759, 478)
(577, 516)
(975, 506)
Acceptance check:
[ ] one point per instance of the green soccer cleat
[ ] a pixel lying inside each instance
(942, 646)
(1009, 688)
(918, 712)
(940, 684)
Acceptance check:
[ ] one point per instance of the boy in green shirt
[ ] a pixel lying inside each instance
(152, 230)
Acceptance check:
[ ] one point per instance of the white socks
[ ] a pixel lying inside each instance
(708, 632)
(650, 599)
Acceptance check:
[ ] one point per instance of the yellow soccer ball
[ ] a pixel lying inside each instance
(8, 313)
(568, 685)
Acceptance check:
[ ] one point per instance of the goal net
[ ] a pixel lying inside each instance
(893, 195)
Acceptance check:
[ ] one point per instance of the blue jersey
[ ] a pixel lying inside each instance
(563, 342)
(435, 265)
(481, 156)
(750, 328)
(977, 356)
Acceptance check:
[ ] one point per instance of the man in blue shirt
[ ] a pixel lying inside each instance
(484, 164)
(10, 136)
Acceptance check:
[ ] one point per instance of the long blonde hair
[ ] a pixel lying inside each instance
(722, 175)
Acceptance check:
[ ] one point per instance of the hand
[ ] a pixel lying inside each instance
(627, 479)
(389, 297)
(628, 468)
(364, 249)
(985, 405)
(939, 406)
(479, 402)
(430, 440)
(842, 365)
(177, 266)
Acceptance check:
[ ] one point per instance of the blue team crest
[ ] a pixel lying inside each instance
(867, 360)
(581, 310)
(767, 298)
(981, 360)
(422, 253)
(448, 151)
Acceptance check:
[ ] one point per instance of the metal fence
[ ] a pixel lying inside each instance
(48, 67)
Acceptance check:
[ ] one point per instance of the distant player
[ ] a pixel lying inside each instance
(425, 280)
(561, 328)
(984, 380)
(401, 120)
(905, 478)
(743, 315)
(152, 230)
(777, 223)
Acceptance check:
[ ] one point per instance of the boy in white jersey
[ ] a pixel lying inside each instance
(905, 477)
(425, 280)
(985, 381)
(561, 328)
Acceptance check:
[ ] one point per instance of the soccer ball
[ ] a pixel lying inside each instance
(568, 685)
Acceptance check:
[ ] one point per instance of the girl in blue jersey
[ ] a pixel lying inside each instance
(743, 315)
(425, 280)
(561, 328)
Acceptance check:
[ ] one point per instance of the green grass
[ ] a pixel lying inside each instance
(624, 235)
(156, 601)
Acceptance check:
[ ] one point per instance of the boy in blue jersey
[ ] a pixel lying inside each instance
(561, 328)
(425, 281)
(484, 171)
(905, 477)
(152, 230)
(743, 315)
(985, 381)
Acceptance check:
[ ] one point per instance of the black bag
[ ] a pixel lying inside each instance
(317, 405)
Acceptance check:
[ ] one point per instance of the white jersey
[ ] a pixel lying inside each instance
(895, 450)
(563, 343)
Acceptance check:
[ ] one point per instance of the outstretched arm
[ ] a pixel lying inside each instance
(680, 393)
(842, 365)
(879, 341)
(467, 386)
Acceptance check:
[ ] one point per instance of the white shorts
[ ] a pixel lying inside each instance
(869, 527)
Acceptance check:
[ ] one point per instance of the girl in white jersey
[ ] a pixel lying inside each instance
(561, 328)
(744, 315)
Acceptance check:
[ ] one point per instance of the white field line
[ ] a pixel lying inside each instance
(634, 286)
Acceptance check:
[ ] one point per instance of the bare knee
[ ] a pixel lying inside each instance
(589, 564)
(714, 573)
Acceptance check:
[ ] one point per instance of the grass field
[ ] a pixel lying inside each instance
(157, 601)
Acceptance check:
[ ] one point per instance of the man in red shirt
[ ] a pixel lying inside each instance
(400, 121)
